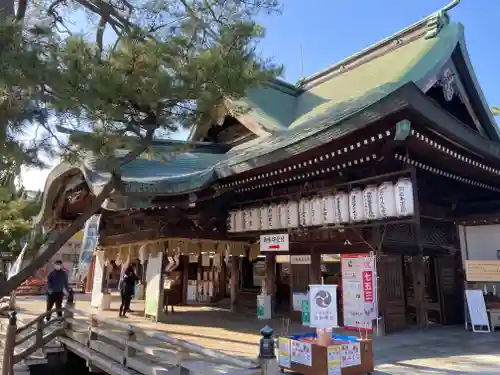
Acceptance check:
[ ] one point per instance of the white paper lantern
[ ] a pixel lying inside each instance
(386, 200)
(356, 209)
(317, 211)
(404, 197)
(329, 209)
(247, 220)
(231, 221)
(341, 208)
(264, 218)
(255, 216)
(293, 214)
(238, 221)
(370, 203)
(274, 216)
(283, 210)
(305, 212)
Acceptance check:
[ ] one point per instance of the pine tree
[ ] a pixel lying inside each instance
(171, 62)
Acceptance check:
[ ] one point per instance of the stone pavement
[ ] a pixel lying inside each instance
(439, 350)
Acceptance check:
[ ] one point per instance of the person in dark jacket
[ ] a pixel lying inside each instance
(57, 283)
(127, 289)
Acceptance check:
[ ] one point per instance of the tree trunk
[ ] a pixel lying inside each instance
(52, 246)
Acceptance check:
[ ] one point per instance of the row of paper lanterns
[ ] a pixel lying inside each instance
(374, 202)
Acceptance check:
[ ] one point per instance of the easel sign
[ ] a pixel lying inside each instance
(477, 311)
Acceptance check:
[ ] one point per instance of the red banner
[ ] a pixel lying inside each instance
(368, 286)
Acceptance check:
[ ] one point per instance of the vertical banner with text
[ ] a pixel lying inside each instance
(89, 243)
(359, 285)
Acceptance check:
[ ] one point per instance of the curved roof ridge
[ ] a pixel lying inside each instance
(432, 22)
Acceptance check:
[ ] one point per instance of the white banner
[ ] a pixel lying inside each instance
(323, 306)
(89, 243)
(359, 287)
(96, 297)
(16, 266)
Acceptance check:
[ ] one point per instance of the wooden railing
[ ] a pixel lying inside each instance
(116, 347)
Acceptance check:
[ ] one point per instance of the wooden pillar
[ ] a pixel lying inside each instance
(235, 275)
(185, 273)
(418, 267)
(90, 276)
(270, 279)
(315, 267)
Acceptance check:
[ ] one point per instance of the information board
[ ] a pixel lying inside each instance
(482, 270)
(274, 242)
(359, 291)
(350, 354)
(477, 311)
(334, 367)
(285, 359)
(301, 352)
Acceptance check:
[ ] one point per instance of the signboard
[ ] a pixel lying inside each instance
(323, 306)
(89, 243)
(482, 270)
(300, 259)
(301, 352)
(274, 242)
(6, 255)
(284, 352)
(477, 310)
(359, 287)
(350, 354)
(154, 286)
(96, 298)
(333, 355)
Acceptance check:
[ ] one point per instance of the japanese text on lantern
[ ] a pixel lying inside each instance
(368, 286)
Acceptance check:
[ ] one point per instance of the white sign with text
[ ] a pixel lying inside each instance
(274, 242)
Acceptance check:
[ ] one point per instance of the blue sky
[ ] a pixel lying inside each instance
(331, 30)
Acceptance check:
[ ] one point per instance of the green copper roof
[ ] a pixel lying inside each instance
(345, 92)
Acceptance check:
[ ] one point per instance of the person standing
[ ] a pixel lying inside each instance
(127, 290)
(57, 283)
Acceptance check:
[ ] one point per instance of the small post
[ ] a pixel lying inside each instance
(10, 342)
(267, 355)
(12, 300)
(92, 336)
(129, 351)
(39, 333)
(68, 312)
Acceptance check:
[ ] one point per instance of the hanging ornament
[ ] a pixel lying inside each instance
(238, 221)
(293, 214)
(143, 253)
(356, 209)
(386, 200)
(404, 197)
(317, 211)
(255, 218)
(329, 209)
(370, 203)
(264, 218)
(341, 208)
(283, 215)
